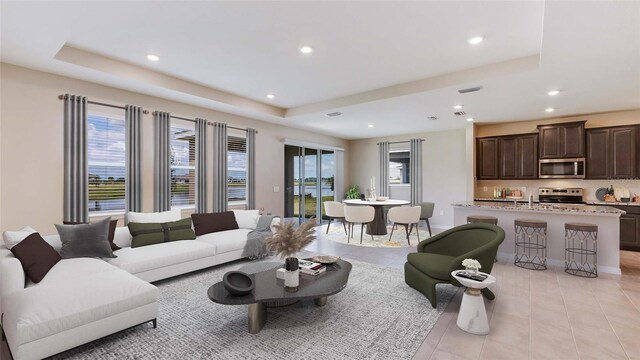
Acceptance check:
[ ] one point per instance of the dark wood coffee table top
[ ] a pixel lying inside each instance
(269, 288)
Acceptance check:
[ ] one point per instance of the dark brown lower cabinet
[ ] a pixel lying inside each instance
(630, 228)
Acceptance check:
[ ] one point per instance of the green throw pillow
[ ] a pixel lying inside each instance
(156, 233)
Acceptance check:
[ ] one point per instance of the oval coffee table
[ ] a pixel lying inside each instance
(270, 289)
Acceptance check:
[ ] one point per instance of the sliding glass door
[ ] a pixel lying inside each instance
(309, 181)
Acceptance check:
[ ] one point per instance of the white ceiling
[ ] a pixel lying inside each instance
(590, 50)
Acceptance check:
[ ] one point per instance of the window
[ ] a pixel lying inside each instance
(183, 160)
(399, 169)
(106, 162)
(237, 172)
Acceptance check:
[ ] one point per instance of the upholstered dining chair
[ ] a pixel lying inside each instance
(335, 211)
(406, 216)
(426, 212)
(358, 215)
(443, 253)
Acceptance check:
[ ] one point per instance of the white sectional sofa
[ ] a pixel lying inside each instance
(84, 299)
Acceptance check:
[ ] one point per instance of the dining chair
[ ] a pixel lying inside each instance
(406, 216)
(358, 215)
(335, 211)
(426, 212)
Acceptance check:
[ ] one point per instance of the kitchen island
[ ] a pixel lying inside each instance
(605, 217)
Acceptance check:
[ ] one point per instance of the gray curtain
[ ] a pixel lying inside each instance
(76, 188)
(415, 166)
(383, 153)
(162, 161)
(201, 165)
(251, 168)
(220, 145)
(133, 180)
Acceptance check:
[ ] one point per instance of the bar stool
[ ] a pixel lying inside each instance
(475, 219)
(581, 249)
(480, 219)
(531, 244)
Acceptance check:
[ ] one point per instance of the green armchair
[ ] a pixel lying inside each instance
(443, 253)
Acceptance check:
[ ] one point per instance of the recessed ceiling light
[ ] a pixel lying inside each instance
(470, 119)
(306, 49)
(153, 57)
(549, 109)
(457, 107)
(553, 92)
(270, 96)
(370, 125)
(476, 40)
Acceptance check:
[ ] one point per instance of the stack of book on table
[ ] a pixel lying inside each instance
(311, 268)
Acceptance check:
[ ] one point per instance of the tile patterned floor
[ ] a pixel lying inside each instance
(536, 314)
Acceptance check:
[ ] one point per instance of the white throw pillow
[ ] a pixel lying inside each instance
(247, 219)
(156, 217)
(13, 238)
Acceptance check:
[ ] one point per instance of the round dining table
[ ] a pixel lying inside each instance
(379, 225)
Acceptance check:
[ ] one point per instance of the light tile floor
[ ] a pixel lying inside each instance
(536, 314)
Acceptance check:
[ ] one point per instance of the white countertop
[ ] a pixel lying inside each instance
(618, 203)
(548, 208)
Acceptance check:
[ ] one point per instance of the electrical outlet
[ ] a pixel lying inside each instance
(524, 190)
(441, 212)
(485, 188)
(276, 189)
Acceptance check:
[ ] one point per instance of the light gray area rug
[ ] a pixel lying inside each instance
(377, 316)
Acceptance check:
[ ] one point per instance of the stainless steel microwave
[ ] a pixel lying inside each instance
(561, 168)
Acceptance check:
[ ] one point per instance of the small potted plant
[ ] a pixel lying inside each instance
(471, 265)
(286, 242)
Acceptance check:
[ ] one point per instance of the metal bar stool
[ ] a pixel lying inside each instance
(581, 249)
(531, 244)
(475, 219)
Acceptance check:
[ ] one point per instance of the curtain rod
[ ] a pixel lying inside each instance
(210, 123)
(399, 142)
(61, 97)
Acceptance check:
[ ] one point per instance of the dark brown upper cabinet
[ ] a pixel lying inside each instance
(559, 141)
(597, 159)
(487, 158)
(507, 157)
(527, 150)
(623, 152)
(612, 153)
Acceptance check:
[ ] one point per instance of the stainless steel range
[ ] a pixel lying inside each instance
(560, 195)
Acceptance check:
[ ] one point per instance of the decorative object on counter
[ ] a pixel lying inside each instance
(238, 283)
(601, 192)
(288, 241)
(636, 198)
(625, 199)
(621, 193)
(581, 249)
(472, 265)
(531, 244)
(353, 192)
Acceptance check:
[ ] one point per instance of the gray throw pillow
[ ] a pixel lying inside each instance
(85, 240)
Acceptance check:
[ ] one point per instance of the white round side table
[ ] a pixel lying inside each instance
(472, 317)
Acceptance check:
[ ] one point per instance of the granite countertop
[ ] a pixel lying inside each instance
(597, 202)
(556, 208)
(523, 200)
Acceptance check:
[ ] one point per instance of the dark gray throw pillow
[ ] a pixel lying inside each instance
(85, 240)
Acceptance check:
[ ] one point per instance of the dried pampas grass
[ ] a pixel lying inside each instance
(288, 241)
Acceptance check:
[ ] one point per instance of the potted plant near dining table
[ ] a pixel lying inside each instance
(286, 242)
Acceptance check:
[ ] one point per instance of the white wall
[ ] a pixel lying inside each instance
(444, 172)
(31, 145)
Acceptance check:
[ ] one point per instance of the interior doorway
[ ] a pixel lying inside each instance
(309, 181)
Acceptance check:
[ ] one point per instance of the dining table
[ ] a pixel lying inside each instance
(379, 224)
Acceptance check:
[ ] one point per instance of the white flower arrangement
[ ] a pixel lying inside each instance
(471, 264)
